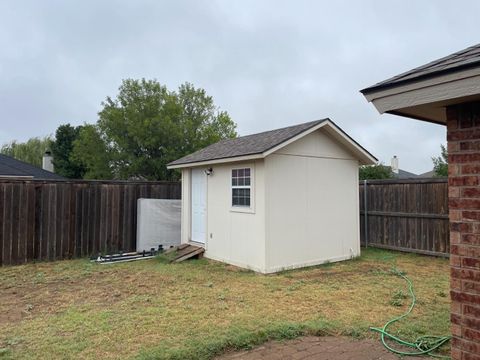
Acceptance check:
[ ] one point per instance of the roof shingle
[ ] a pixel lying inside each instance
(13, 167)
(460, 60)
(246, 145)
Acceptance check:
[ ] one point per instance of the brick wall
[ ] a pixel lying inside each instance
(463, 134)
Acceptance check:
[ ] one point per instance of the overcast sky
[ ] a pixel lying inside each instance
(268, 63)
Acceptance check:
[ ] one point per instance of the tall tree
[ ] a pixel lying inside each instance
(91, 152)
(375, 172)
(146, 126)
(440, 163)
(30, 151)
(200, 120)
(62, 148)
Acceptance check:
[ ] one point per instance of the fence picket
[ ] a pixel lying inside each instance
(407, 215)
(53, 220)
(46, 220)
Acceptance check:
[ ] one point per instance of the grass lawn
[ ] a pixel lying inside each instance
(197, 309)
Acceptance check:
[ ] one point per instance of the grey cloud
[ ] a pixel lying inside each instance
(268, 63)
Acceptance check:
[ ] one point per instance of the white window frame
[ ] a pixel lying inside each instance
(243, 208)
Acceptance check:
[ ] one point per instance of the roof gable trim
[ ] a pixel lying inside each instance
(425, 100)
(420, 84)
(426, 77)
(217, 161)
(357, 150)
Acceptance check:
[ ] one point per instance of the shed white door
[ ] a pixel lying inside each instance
(199, 205)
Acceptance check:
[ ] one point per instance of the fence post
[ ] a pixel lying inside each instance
(365, 213)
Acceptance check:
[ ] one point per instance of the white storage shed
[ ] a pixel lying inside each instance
(276, 200)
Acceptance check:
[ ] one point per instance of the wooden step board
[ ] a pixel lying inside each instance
(186, 251)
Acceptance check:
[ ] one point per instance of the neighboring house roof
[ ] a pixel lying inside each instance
(427, 174)
(262, 144)
(402, 174)
(461, 60)
(10, 167)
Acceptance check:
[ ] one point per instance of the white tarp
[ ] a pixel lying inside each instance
(158, 223)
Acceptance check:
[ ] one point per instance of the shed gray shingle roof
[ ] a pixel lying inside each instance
(13, 167)
(466, 58)
(246, 145)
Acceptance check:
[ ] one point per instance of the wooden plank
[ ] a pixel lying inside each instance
(50, 220)
(93, 217)
(114, 219)
(102, 227)
(131, 214)
(62, 222)
(126, 219)
(416, 251)
(45, 213)
(86, 221)
(78, 220)
(84, 218)
(23, 226)
(52, 226)
(8, 218)
(187, 252)
(30, 222)
(133, 220)
(37, 234)
(15, 225)
(407, 181)
(62, 234)
(108, 218)
(406, 215)
(2, 222)
(71, 221)
(120, 212)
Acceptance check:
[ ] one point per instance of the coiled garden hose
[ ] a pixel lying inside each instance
(423, 345)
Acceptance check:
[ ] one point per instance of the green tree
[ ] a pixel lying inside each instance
(30, 151)
(201, 122)
(375, 172)
(146, 126)
(62, 148)
(90, 152)
(440, 163)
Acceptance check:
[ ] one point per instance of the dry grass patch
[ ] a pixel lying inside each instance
(197, 309)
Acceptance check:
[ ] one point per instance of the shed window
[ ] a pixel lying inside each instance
(241, 187)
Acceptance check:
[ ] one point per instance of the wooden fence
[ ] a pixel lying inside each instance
(407, 215)
(51, 220)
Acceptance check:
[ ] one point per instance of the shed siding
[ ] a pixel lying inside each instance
(312, 204)
(236, 237)
(317, 144)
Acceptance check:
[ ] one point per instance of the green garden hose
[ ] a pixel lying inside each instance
(423, 345)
